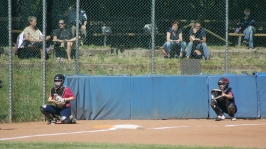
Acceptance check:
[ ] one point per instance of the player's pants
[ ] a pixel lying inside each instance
(64, 112)
(219, 108)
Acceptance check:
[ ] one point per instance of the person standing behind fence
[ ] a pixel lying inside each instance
(197, 36)
(174, 37)
(246, 25)
(71, 14)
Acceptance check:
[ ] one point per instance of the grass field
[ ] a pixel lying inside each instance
(78, 145)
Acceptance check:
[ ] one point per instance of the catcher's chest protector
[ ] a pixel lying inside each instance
(59, 92)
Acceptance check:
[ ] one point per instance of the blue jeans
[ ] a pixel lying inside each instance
(249, 31)
(198, 46)
(168, 45)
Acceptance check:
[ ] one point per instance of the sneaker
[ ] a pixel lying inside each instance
(52, 122)
(245, 41)
(166, 56)
(233, 118)
(73, 120)
(58, 59)
(62, 59)
(250, 48)
(176, 56)
(207, 58)
(219, 118)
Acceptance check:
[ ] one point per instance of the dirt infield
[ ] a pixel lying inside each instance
(240, 133)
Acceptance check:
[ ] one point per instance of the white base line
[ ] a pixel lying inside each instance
(244, 125)
(53, 134)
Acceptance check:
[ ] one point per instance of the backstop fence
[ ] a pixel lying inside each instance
(117, 37)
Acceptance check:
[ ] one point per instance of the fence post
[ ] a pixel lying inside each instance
(152, 35)
(10, 58)
(44, 50)
(226, 36)
(77, 36)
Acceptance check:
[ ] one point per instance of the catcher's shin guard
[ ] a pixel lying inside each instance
(231, 109)
(47, 114)
(215, 107)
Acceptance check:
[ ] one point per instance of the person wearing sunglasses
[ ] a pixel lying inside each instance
(62, 37)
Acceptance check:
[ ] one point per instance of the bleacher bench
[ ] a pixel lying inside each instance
(242, 35)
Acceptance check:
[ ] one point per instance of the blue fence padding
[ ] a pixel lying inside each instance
(244, 90)
(261, 91)
(166, 97)
(109, 97)
(74, 82)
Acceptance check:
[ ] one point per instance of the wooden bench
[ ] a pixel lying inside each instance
(240, 35)
(16, 23)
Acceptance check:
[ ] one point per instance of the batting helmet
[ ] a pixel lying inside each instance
(225, 82)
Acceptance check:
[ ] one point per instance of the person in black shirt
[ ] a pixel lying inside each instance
(174, 37)
(63, 37)
(246, 25)
(197, 37)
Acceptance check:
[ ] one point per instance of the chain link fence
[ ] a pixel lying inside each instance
(118, 37)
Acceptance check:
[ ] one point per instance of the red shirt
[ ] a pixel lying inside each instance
(68, 93)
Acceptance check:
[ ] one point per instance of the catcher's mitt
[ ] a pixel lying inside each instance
(216, 93)
(61, 102)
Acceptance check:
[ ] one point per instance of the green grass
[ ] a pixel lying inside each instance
(75, 145)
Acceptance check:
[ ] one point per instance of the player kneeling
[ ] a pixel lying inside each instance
(61, 97)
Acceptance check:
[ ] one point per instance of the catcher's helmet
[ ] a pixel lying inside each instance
(61, 78)
(225, 82)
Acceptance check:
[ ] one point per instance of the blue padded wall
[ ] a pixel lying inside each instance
(100, 97)
(244, 90)
(109, 97)
(166, 97)
(77, 84)
(261, 90)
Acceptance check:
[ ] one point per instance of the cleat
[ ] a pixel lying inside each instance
(233, 118)
(219, 118)
(73, 120)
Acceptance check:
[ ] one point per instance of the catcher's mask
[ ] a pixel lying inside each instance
(58, 81)
(223, 83)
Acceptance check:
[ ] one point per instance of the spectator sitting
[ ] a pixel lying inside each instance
(197, 36)
(33, 35)
(246, 26)
(63, 38)
(174, 37)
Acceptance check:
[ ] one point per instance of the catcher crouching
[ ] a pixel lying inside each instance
(61, 97)
(223, 100)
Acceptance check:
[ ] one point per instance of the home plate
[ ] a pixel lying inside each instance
(114, 127)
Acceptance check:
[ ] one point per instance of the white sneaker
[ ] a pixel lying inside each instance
(222, 117)
(73, 120)
(219, 118)
(233, 118)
